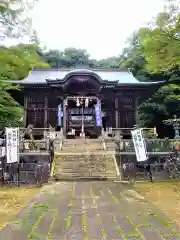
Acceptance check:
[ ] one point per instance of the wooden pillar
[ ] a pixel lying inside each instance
(136, 109)
(45, 111)
(116, 113)
(64, 117)
(25, 111)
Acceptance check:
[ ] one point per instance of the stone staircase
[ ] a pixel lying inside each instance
(80, 145)
(110, 145)
(83, 159)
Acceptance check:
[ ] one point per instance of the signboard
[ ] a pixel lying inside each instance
(12, 144)
(98, 115)
(79, 117)
(139, 145)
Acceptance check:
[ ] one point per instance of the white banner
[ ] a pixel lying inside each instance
(12, 145)
(139, 145)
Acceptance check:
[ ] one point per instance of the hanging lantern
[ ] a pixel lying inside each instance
(86, 102)
(81, 101)
(77, 102)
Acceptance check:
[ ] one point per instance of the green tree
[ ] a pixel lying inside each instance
(161, 41)
(132, 57)
(70, 57)
(111, 62)
(15, 63)
(10, 111)
(155, 56)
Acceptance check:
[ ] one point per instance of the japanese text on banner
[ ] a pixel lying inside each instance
(12, 144)
(139, 145)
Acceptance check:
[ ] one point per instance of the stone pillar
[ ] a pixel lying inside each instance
(45, 111)
(25, 111)
(64, 117)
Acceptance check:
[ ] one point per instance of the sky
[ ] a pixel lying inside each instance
(99, 26)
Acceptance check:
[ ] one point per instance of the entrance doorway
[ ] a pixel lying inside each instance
(80, 116)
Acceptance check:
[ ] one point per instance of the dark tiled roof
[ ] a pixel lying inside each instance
(39, 76)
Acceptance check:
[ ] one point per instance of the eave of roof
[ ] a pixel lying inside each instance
(116, 76)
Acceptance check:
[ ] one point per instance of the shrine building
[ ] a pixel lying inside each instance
(82, 99)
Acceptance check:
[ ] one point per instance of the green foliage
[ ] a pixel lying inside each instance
(161, 42)
(111, 62)
(154, 54)
(68, 58)
(15, 63)
(72, 57)
(132, 57)
(10, 111)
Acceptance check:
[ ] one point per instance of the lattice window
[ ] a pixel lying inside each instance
(33, 103)
(36, 118)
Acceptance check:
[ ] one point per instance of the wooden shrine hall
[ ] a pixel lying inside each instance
(85, 100)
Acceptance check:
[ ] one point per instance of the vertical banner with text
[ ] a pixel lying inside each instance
(139, 145)
(59, 115)
(98, 115)
(12, 145)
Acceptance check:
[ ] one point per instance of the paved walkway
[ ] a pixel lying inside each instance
(87, 211)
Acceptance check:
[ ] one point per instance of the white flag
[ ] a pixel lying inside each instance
(139, 145)
(12, 144)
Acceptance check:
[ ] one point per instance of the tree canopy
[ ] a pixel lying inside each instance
(161, 42)
(160, 48)
(15, 63)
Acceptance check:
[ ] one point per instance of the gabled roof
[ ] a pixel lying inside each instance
(118, 75)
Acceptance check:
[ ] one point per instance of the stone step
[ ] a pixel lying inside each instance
(71, 157)
(89, 168)
(86, 173)
(80, 153)
(80, 177)
(82, 147)
(81, 164)
(80, 150)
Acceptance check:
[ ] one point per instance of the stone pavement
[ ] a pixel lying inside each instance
(87, 211)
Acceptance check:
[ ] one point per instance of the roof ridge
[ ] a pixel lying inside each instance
(91, 69)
